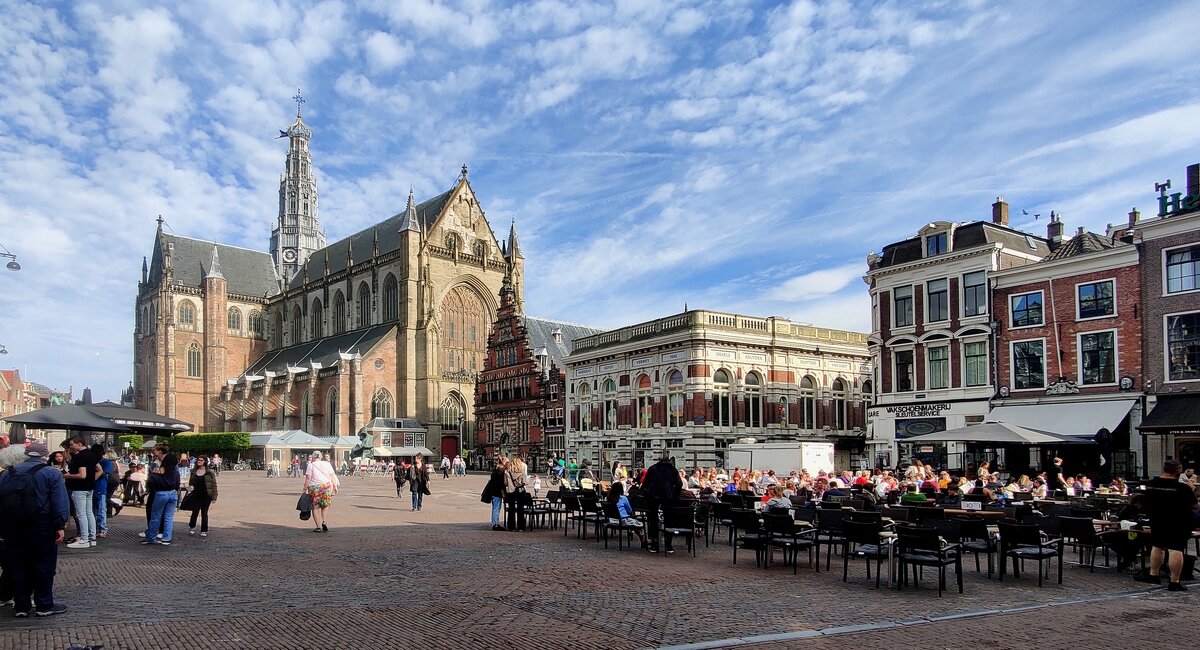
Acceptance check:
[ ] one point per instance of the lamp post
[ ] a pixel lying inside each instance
(12, 259)
(462, 418)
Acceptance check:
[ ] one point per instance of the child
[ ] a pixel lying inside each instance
(537, 486)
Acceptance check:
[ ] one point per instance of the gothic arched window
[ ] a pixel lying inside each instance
(339, 313)
(391, 299)
(187, 315)
(193, 360)
(364, 306)
(331, 412)
(297, 325)
(235, 319)
(381, 405)
(277, 332)
(256, 324)
(462, 309)
(316, 326)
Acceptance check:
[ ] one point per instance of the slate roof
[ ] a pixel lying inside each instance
(1082, 244)
(541, 335)
(247, 272)
(324, 351)
(290, 438)
(363, 241)
(966, 236)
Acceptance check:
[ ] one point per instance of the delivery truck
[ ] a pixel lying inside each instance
(783, 457)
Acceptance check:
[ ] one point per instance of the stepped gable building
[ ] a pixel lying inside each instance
(692, 383)
(389, 322)
(1170, 281)
(1069, 347)
(520, 398)
(932, 329)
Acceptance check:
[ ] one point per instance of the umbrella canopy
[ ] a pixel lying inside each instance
(143, 422)
(999, 433)
(67, 416)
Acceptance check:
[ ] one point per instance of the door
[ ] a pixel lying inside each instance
(449, 447)
(1187, 451)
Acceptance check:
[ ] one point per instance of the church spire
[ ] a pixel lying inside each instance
(514, 246)
(410, 221)
(214, 266)
(297, 233)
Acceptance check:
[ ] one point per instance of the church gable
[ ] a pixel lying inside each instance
(461, 225)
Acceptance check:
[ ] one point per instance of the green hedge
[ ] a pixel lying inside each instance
(227, 444)
(135, 442)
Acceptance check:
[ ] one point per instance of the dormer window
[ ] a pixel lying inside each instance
(937, 243)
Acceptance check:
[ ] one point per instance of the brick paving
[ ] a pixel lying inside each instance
(387, 577)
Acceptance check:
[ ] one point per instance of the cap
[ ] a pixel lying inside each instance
(37, 450)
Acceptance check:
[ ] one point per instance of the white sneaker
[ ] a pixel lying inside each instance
(158, 536)
(142, 535)
(91, 542)
(82, 543)
(204, 534)
(191, 531)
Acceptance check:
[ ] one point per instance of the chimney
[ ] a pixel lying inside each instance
(1054, 231)
(1193, 179)
(1130, 230)
(1134, 216)
(1000, 212)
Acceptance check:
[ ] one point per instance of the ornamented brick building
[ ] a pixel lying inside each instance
(520, 399)
(388, 322)
(694, 382)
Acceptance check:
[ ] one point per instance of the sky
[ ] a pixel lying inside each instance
(736, 155)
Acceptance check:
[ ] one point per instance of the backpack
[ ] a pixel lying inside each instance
(18, 500)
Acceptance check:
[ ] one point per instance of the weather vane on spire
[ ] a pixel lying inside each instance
(299, 100)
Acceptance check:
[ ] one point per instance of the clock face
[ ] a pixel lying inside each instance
(289, 255)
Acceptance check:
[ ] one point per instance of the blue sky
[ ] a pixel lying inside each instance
(739, 156)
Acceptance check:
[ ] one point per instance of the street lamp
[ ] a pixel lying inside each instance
(3, 350)
(12, 263)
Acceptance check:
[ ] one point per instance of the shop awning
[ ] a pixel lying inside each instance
(382, 452)
(1177, 414)
(1070, 418)
(411, 451)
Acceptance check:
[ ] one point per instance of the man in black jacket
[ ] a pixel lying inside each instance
(662, 485)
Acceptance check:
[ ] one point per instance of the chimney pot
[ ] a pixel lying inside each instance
(1054, 231)
(1134, 216)
(1000, 212)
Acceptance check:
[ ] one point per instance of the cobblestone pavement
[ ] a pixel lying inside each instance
(386, 577)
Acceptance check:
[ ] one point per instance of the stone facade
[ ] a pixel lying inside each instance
(694, 382)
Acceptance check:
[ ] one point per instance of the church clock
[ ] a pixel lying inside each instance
(289, 255)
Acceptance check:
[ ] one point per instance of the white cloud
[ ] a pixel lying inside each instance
(384, 51)
(817, 284)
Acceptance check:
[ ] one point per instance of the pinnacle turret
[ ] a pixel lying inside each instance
(214, 266)
(410, 221)
(514, 246)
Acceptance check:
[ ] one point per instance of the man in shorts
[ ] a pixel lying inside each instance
(1170, 504)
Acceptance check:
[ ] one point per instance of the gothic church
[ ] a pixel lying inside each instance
(392, 321)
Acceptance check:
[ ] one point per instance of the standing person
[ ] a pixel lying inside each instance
(203, 488)
(100, 491)
(494, 491)
(322, 484)
(214, 465)
(1054, 477)
(662, 485)
(515, 494)
(445, 467)
(418, 481)
(112, 507)
(81, 476)
(399, 475)
(163, 486)
(33, 517)
(1171, 504)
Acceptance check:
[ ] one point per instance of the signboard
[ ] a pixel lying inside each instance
(721, 354)
(644, 361)
(608, 367)
(674, 356)
(926, 449)
(972, 505)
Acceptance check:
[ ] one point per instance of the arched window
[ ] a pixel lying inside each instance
(391, 299)
(306, 411)
(675, 399)
(193, 360)
(610, 404)
(452, 413)
(363, 316)
(452, 242)
(839, 404)
(585, 407)
(235, 319)
(256, 325)
(297, 325)
(782, 410)
(339, 313)
(752, 400)
(645, 403)
(262, 414)
(721, 416)
(808, 403)
(316, 326)
(277, 331)
(331, 412)
(868, 398)
(463, 309)
(381, 404)
(187, 315)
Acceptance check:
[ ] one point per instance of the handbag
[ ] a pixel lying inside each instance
(188, 503)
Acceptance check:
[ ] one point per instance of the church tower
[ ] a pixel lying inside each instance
(297, 232)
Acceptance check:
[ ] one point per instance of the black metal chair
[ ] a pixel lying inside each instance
(974, 537)
(862, 540)
(921, 547)
(590, 513)
(748, 533)
(570, 509)
(613, 521)
(702, 519)
(680, 521)
(1080, 534)
(720, 515)
(829, 534)
(1027, 542)
(782, 532)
